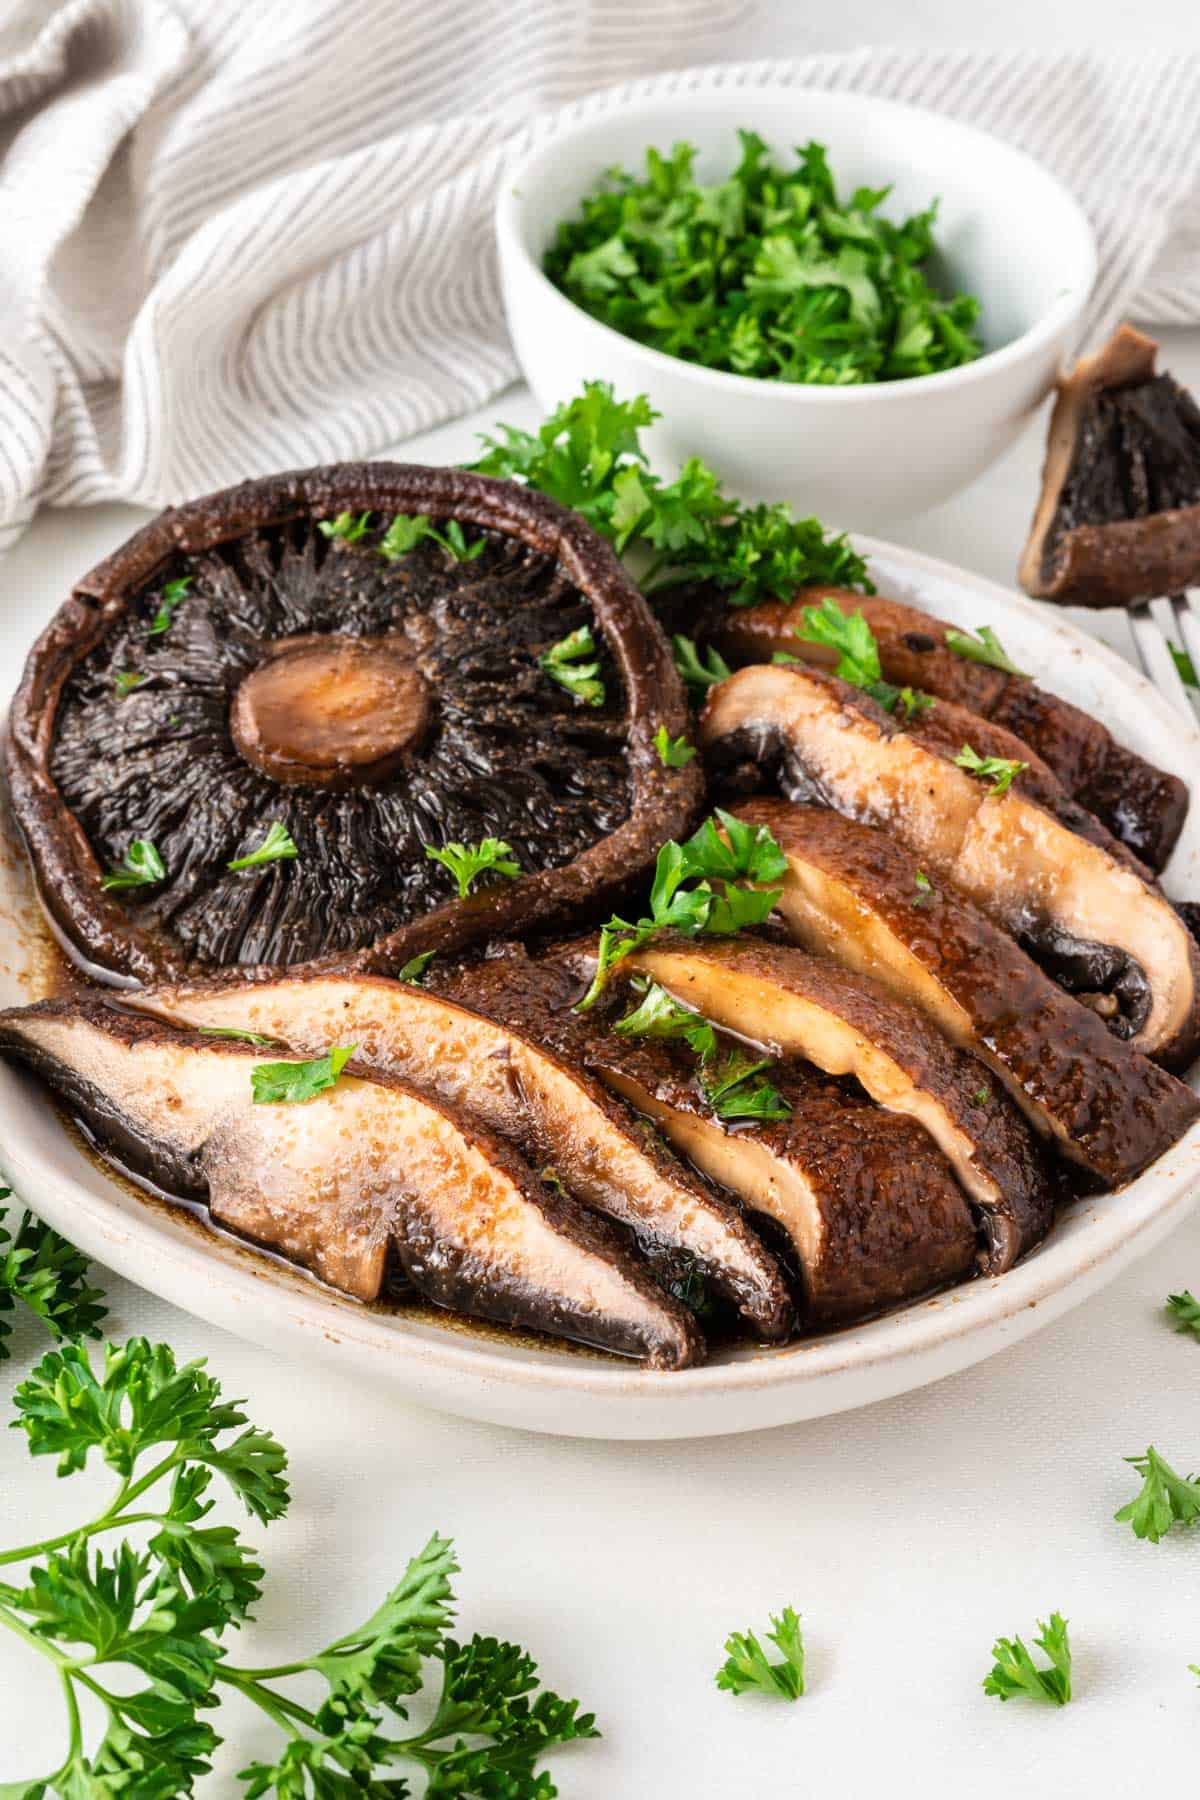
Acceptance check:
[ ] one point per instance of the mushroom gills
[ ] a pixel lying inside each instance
(857, 895)
(866, 1203)
(490, 1046)
(1017, 862)
(1143, 806)
(366, 1169)
(797, 1005)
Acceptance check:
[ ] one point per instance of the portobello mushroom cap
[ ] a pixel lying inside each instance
(366, 1169)
(855, 894)
(1143, 806)
(1118, 517)
(370, 706)
(503, 1070)
(802, 1006)
(865, 1201)
(1091, 921)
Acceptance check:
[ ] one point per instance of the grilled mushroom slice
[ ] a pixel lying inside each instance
(857, 895)
(865, 1200)
(1118, 518)
(1092, 922)
(801, 1006)
(336, 1182)
(505, 1072)
(1143, 806)
(232, 668)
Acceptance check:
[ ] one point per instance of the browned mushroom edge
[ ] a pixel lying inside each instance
(1119, 561)
(663, 801)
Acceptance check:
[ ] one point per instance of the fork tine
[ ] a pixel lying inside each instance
(1187, 616)
(1154, 627)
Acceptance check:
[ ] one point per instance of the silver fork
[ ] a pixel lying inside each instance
(1157, 628)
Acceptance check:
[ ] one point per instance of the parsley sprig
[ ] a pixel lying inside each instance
(141, 866)
(1000, 771)
(172, 594)
(277, 846)
(467, 862)
(768, 273)
(574, 664)
(658, 1015)
(159, 1615)
(1184, 1309)
(588, 456)
(748, 1669)
(673, 753)
(407, 530)
(700, 888)
(739, 1089)
(44, 1273)
(1164, 1499)
(858, 656)
(291, 1083)
(699, 673)
(1015, 1672)
(982, 646)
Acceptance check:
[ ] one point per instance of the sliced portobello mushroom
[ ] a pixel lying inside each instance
(1143, 806)
(797, 1005)
(1092, 922)
(232, 667)
(1118, 517)
(369, 1168)
(857, 895)
(506, 1072)
(867, 1205)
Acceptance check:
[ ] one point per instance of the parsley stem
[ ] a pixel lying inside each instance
(112, 1515)
(71, 1701)
(63, 1663)
(250, 1683)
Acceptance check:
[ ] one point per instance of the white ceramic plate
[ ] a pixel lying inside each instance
(484, 1375)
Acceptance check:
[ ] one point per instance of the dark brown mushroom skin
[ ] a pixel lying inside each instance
(1118, 517)
(896, 1224)
(1116, 1110)
(454, 1273)
(1002, 1154)
(1144, 807)
(102, 931)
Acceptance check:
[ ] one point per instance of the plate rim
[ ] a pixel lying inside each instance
(235, 1286)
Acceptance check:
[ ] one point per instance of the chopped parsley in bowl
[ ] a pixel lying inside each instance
(766, 273)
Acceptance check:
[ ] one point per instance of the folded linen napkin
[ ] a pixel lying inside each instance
(237, 238)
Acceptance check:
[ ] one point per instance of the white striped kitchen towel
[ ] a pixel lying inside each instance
(240, 235)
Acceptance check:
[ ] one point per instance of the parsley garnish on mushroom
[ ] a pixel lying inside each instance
(140, 866)
(572, 662)
(467, 862)
(982, 646)
(277, 846)
(1001, 771)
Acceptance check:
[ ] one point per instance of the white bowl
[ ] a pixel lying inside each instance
(548, 1387)
(1007, 231)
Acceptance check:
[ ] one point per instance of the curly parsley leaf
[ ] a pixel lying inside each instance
(1015, 1672)
(1001, 771)
(768, 273)
(673, 753)
(698, 888)
(141, 866)
(748, 1669)
(983, 646)
(348, 527)
(739, 1089)
(43, 1272)
(588, 456)
(699, 673)
(289, 1083)
(467, 862)
(1164, 1499)
(414, 969)
(1184, 1309)
(573, 663)
(407, 530)
(659, 1016)
(172, 594)
(277, 846)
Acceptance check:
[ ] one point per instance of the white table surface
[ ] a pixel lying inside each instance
(909, 1535)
